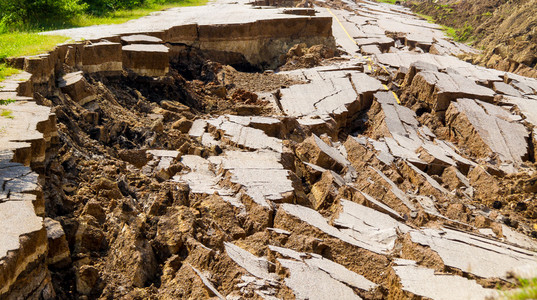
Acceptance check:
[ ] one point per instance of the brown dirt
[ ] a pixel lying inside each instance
(254, 82)
(134, 235)
(302, 57)
(112, 210)
(504, 29)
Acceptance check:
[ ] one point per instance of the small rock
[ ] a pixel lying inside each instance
(219, 91)
(93, 208)
(158, 126)
(59, 255)
(182, 125)
(511, 223)
(86, 279)
(137, 157)
(108, 188)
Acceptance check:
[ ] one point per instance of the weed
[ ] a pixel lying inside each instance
(6, 71)
(25, 43)
(21, 44)
(6, 113)
(527, 290)
(7, 101)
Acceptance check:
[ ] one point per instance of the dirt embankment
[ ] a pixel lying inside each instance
(105, 190)
(505, 30)
(206, 181)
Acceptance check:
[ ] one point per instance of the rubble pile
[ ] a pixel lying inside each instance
(392, 171)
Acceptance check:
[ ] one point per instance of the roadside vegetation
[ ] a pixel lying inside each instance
(20, 21)
(527, 290)
(6, 113)
(458, 20)
(462, 35)
(442, 12)
(6, 71)
(40, 15)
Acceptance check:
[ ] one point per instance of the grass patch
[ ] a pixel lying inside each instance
(6, 113)
(118, 16)
(122, 16)
(6, 102)
(460, 35)
(22, 44)
(527, 290)
(6, 71)
(25, 43)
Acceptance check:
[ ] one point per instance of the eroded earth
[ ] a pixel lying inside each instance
(340, 151)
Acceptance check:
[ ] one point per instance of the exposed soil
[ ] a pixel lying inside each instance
(301, 57)
(110, 209)
(135, 234)
(505, 30)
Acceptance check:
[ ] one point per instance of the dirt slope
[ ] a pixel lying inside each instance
(505, 30)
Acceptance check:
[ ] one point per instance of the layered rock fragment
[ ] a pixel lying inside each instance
(425, 282)
(312, 283)
(364, 223)
(403, 137)
(162, 163)
(202, 179)
(24, 243)
(17, 84)
(140, 39)
(237, 131)
(310, 275)
(405, 59)
(259, 267)
(335, 96)
(314, 150)
(41, 67)
(473, 254)
(58, 249)
(146, 59)
(261, 174)
(315, 219)
(104, 57)
(335, 270)
(29, 139)
(396, 191)
(23, 250)
(438, 89)
(486, 130)
(76, 86)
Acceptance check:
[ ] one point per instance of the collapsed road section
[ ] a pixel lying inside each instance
(241, 150)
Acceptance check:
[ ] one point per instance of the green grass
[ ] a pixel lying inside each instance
(6, 113)
(119, 16)
(6, 102)
(25, 43)
(6, 71)
(22, 44)
(450, 31)
(527, 290)
(460, 35)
